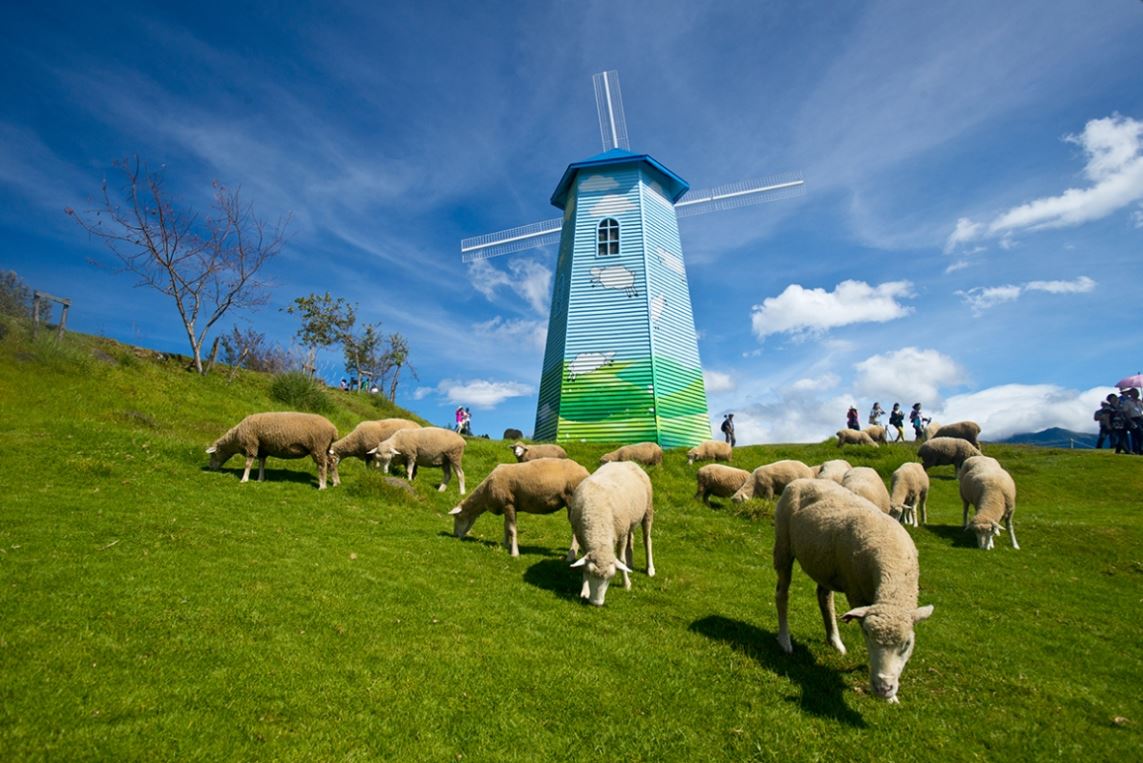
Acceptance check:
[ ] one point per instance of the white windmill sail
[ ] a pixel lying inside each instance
(517, 239)
(609, 104)
(742, 194)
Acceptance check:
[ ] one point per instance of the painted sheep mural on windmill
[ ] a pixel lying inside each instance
(621, 363)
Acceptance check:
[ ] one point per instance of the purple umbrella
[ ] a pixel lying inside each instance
(1130, 381)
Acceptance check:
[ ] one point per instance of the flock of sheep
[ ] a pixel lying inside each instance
(840, 522)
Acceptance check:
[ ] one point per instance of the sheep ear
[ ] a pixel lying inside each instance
(855, 614)
(372, 452)
(211, 449)
(579, 562)
(454, 512)
(922, 613)
(620, 565)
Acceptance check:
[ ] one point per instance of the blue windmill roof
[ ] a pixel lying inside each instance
(673, 185)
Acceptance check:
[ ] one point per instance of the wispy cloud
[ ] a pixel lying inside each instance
(526, 278)
(534, 334)
(717, 382)
(803, 312)
(982, 298)
(478, 393)
(1114, 149)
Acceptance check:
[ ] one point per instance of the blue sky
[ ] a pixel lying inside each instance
(970, 238)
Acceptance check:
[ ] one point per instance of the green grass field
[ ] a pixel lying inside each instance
(155, 610)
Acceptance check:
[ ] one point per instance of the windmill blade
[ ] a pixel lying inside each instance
(512, 240)
(741, 194)
(609, 104)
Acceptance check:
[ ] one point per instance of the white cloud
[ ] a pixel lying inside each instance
(826, 381)
(612, 204)
(532, 333)
(599, 183)
(1010, 409)
(1114, 149)
(908, 374)
(479, 393)
(716, 382)
(981, 298)
(805, 312)
(527, 278)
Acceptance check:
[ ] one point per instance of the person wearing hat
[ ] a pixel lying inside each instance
(918, 422)
(728, 428)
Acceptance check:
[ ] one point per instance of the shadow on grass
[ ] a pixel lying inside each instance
(556, 576)
(272, 475)
(525, 550)
(956, 535)
(822, 688)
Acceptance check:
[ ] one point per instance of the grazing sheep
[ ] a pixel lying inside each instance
(930, 431)
(365, 437)
(604, 511)
(540, 486)
(854, 437)
(877, 433)
(532, 452)
(909, 493)
(965, 430)
(844, 544)
(719, 480)
(941, 451)
(867, 483)
(986, 485)
(771, 479)
(834, 469)
(281, 435)
(710, 450)
(430, 446)
(646, 453)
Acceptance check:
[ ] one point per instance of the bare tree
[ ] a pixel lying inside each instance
(206, 266)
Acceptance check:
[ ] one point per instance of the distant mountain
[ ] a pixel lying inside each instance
(1054, 438)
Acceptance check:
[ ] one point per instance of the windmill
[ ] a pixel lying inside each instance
(621, 362)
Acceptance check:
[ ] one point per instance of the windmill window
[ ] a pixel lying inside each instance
(608, 237)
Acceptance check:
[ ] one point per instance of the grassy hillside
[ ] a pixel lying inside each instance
(154, 610)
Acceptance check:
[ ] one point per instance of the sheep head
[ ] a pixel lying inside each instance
(597, 576)
(889, 637)
(986, 531)
(385, 453)
(222, 449)
(519, 449)
(461, 522)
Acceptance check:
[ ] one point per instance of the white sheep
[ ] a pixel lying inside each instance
(846, 545)
(867, 483)
(430, 446)
(930, 431)
(540, 486)
(942, 451)
(834, 469)
(965, 430)
(604, 511)
(877, 433)
(985, 484)
(909, 493)
(770, 480)
(281, 435)
(646, 453)
(365, 437)
(719, 480)
(710, 450)
(541, 450)
(854, 437)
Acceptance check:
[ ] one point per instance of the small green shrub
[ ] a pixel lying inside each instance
(300, 392)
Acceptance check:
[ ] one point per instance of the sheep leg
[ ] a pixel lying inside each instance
(336, 477)
(1012, 533)
(647, 520)
(829, 618)
(459, 476)
(573, 549)
(621, 550)
(261, 468)
(966, 515)
(321, 466)
(784, 566)
(447, 476)
(410, 468)
(923, 505)
(249, 463)
(510, 530)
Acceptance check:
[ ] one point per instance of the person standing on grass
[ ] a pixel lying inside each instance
(851, 419)
(916, 418)
(897, 421)
(875, 415)
(728, 428)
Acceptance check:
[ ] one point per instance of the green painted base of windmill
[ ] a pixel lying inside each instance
(654, 400)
